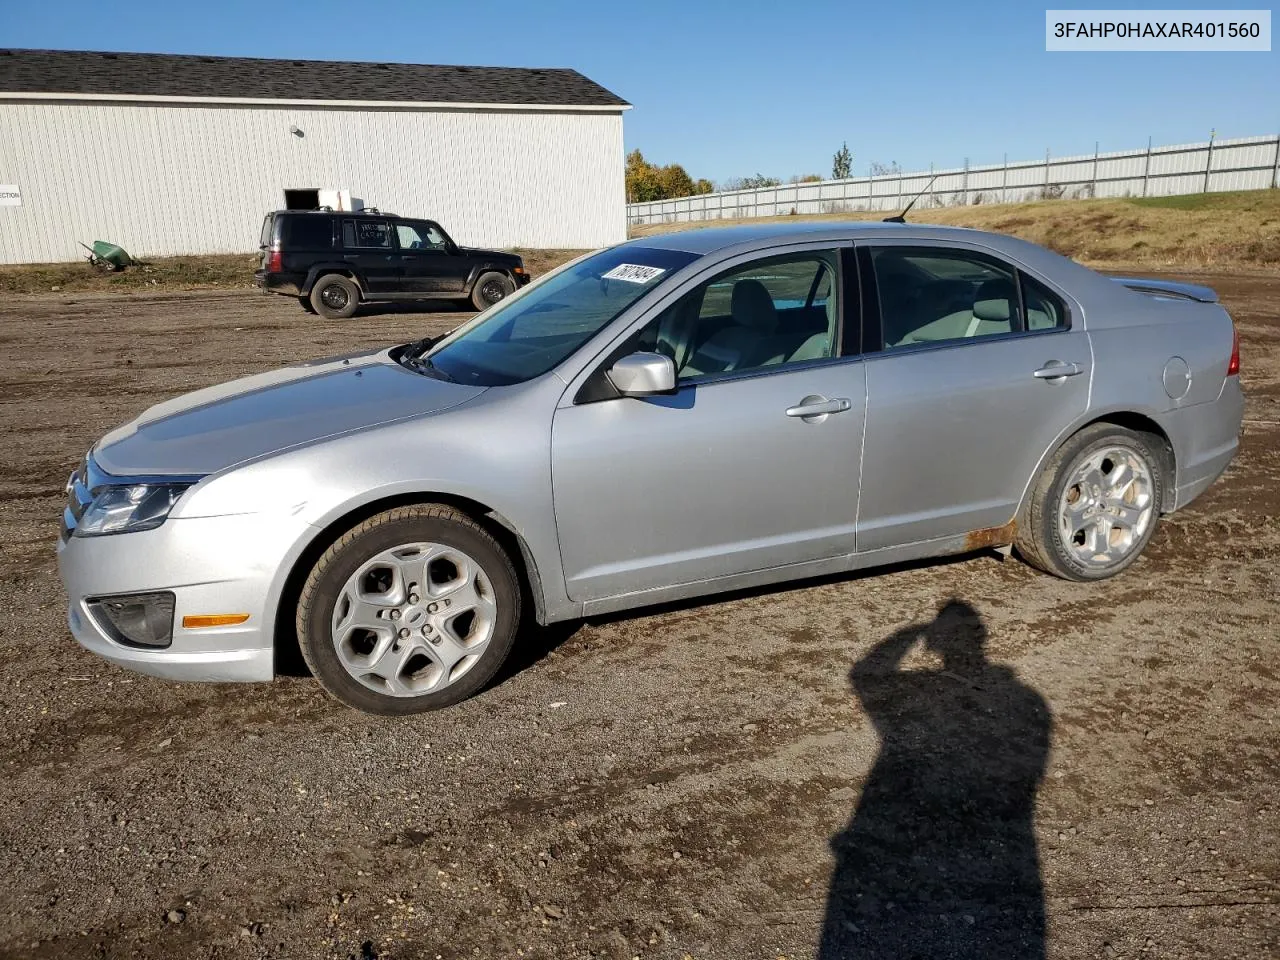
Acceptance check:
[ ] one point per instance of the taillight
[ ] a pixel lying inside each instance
(275, 262)
(1233, 365)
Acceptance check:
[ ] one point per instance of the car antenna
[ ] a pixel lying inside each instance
(902, 217)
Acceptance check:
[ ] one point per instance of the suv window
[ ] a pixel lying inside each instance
(366, 233)
(420, 235)
(308, 233)
(932, 295)
(766, 313)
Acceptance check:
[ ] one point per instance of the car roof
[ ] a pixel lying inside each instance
(335, 213)
(710, 239)
(723, 242)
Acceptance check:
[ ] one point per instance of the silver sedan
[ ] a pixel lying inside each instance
(672, 417)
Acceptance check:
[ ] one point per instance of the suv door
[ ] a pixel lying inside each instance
(427, 259)
(979, 369)
(751, 464)
(369, 245)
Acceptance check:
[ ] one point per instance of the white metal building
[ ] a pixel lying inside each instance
(184, 154)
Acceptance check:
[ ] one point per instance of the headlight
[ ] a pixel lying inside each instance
(126, 509)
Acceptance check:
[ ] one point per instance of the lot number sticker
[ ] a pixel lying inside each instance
(634, 273)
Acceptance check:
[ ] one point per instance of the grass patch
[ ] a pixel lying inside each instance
(214, 272)
(1223, 202)
(225, 272)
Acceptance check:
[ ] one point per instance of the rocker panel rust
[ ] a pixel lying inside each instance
(991, 536)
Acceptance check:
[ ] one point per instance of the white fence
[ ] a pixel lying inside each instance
(1246, 163)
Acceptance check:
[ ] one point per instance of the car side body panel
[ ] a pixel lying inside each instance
(501, 448)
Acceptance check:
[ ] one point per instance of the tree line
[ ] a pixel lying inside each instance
(649, 181)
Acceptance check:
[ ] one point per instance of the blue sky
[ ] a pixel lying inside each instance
(731, 89)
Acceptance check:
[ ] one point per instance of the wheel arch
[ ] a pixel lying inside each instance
(478, 271)
(316, 271)
(285, 637)
(1129, 420)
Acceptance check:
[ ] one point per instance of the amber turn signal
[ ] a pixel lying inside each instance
(195, 621)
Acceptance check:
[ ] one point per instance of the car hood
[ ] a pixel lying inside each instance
(490, 254)
(218, 427)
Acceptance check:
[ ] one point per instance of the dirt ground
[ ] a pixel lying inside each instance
(667, 784)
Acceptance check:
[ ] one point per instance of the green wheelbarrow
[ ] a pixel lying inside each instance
(107, 256)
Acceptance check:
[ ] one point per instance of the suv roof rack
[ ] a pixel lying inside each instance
(377, 213)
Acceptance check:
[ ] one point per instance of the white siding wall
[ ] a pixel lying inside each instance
(178, 179)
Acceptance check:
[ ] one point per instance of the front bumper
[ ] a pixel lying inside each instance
(212, 565)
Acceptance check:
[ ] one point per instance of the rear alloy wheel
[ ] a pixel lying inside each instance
(489, 289)
(412, 610)
(335, 297)
(1096, 504)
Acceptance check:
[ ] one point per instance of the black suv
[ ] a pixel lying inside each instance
(332, 261)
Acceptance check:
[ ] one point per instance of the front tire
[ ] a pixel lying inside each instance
(335, 297)
(414, 609)
(490, 288)
(1095, 505)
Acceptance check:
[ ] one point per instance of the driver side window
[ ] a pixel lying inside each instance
(766, 313)
(418, 235)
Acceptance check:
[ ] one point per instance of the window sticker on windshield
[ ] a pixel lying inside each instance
(634, 273)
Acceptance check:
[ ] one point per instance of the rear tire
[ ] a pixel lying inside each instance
(1095, 505)
(490, 288)
(441, 601)
(335, 297)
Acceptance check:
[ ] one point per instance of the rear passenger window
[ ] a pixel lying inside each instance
(309, 233)
(366, 233)
(936, 295)
(1045, 309)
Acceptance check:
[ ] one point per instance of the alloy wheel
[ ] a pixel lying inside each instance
(413, 619)
(1107, 506)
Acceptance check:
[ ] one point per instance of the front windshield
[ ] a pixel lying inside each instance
(525, 337)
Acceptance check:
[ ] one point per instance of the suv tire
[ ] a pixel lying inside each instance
(490, 287)
(334, 296)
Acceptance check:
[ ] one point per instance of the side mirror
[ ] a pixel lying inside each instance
(643, 375)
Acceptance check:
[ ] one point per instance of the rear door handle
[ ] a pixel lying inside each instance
(814, 409)
(1057, 370)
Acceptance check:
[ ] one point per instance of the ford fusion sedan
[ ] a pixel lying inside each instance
(672, 417)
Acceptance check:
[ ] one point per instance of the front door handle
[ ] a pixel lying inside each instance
(815, 408)
(1057, 370)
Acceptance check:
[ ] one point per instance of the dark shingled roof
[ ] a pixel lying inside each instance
(168, 75)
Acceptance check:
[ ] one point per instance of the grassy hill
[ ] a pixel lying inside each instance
(1200, 230)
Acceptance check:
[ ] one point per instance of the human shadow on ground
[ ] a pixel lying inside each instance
(939, 859)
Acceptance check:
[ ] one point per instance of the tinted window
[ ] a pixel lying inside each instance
(420, 235)
(264, 240)
(526, 335)
(366, 233)
(931, 295)
(762, 314)
(1045, 309)
(308, 233)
